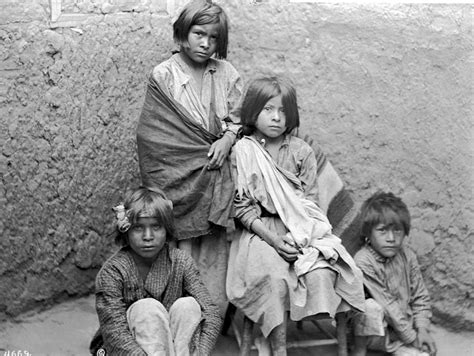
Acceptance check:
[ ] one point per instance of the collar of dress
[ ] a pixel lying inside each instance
(211, 67)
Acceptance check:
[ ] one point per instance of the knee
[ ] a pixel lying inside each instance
(187, 306)
(146, 305)
(145, 309)
(371, 306)
(322, 277)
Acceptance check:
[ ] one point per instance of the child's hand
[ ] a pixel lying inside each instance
(219, 151)
(425, 342)
(285, 248)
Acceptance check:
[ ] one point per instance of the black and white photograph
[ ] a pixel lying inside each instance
(236, 178)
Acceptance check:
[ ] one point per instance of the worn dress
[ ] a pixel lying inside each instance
(324, 279)
(396, 284)
(172, 276)
(176, 129)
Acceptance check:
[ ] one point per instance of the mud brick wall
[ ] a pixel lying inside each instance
(385, 89)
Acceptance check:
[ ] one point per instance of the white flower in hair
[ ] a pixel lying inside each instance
(121, 214)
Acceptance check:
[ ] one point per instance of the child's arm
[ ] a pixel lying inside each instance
(393, 312)
(420, 304)
(234, 97)
(212, 321)
(248, 213)
(425, 342)
(283, 245)
(308, 174)
(220, 149)
(112, 314)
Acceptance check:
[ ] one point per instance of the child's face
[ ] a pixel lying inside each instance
(271, 122)
(387, 239)
(147, 237)
(202, 42)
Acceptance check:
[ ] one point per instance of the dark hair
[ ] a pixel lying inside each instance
(149, 202)
(383, 208)
(202, 12)
(258, 93)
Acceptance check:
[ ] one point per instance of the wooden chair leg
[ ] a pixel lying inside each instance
(246, 337)
(341, 334)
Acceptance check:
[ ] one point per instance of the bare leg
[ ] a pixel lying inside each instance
(278, 339)
(185, 316)
(360, 346)
(341, 331)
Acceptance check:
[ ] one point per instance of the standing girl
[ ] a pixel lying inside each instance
(149, 297)
(184, 135)
(286, 259)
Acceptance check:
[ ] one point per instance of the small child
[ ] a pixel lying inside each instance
(149, 297)
(397, 319)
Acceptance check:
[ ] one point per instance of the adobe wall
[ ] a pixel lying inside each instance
(385, 89)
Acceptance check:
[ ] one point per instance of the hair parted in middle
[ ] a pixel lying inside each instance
(202, 12)
(259, 92)
(148, 202)
(383, 208)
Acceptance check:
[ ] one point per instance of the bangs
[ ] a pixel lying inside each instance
(211, 17)
(151, 202)
(384, 208)
(145, 209)
(259, 92)
(388, 217)
(290, 104)
(203, 13)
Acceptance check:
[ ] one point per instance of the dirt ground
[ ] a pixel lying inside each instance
(66, 329)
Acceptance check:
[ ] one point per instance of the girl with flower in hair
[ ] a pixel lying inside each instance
(150, 299)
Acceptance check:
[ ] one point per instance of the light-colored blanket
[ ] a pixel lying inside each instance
(278, 190)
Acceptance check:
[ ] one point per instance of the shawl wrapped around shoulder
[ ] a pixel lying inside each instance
(278, 190)
(172, 155)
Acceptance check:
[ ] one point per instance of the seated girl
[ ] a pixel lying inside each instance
(398, 312)
(286, 259)
(149, 297)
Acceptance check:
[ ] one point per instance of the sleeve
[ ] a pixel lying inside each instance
(212, 321)
(308, 174)
(420, 299)
(246, 209)
(162, 75)
(112, 313)
(233, 102)
(393, 311)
